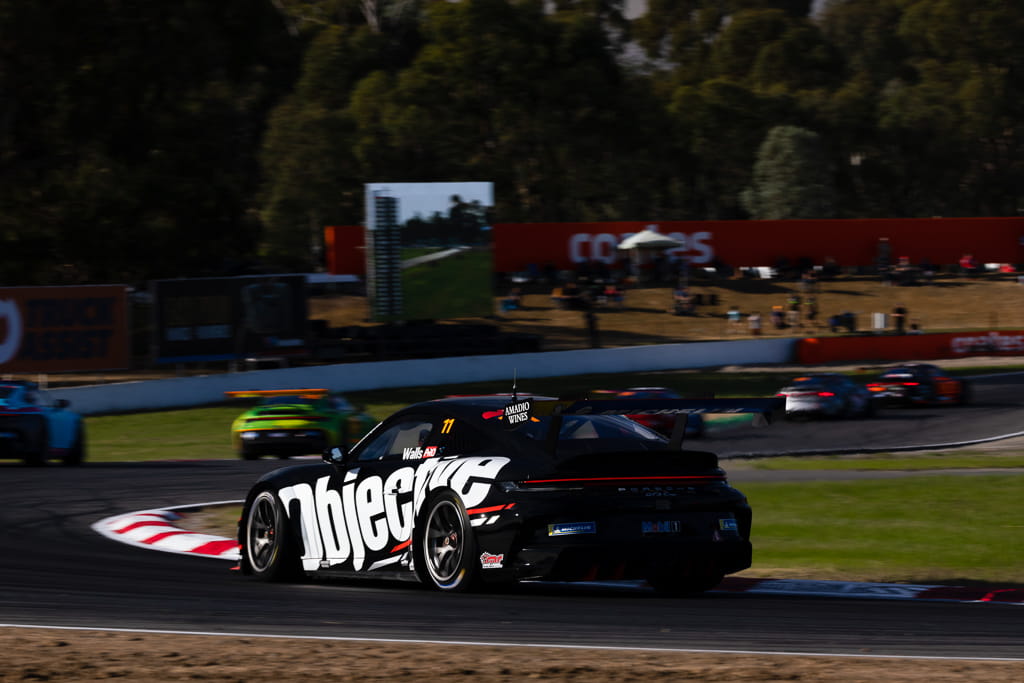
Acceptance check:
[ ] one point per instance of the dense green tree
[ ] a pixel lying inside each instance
(128, 135)
(792, 177)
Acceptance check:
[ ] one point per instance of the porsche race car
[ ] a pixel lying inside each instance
(36, 427)
(827, 394)
(465, 491)
(695, 427)
(919, 384)
(290, 422)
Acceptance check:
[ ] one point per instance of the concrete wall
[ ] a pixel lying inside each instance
(208, 389)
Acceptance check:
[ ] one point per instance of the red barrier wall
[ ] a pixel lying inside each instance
(855, 242)
(813, 351)
(345, 249)
(763, 243)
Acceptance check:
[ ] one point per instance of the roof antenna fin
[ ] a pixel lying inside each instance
(515, 372)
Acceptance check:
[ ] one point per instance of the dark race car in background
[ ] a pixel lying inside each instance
(36, 427)
(695, 427)
(296, 422)
(827, 394)
(919, 384)
(469, 490)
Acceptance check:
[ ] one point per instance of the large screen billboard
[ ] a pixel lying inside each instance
(428, 250)
(64, 329)
(227, 318)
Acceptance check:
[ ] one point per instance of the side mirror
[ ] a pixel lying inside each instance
(335, 455)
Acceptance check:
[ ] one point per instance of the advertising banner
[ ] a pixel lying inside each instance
(520, 247)
(903, 347)
(209, 319)
(64, 329)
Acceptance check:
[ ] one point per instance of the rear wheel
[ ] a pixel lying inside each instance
(76, 454)
(38, 445)
(270, 549)
(447, 545)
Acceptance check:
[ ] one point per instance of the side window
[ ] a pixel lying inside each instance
(402, 440)
(456, 438)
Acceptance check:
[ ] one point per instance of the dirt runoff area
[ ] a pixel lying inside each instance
(73, 655)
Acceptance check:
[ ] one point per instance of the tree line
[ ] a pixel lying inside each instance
(158, 140)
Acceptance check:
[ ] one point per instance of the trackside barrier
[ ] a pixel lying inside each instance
(904, 347)
(182, 392)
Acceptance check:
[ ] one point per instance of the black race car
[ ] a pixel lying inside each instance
(496, 489)
(919, 384)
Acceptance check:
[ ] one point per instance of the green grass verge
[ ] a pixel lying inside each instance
(937, 460)
(942, 529)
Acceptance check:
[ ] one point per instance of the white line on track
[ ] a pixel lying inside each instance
(483, 643)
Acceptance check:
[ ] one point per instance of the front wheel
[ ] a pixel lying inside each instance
(447, 545)
(269, 547)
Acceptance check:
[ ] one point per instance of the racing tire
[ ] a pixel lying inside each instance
(36, 455)
(446, 551)
(246, 454)
(270, 550)
(675, 587)
(965, 394)
(76, 454)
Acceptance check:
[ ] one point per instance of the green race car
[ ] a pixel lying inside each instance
(296, 422)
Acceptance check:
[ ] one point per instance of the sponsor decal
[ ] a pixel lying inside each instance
(572, 528)
(344, 523)
(989, 343)
(417, 453)
(602, 247)
(517, 412)
(728, 525)
(57, 329)
(671, 526)
(10, 330)
(489, 561)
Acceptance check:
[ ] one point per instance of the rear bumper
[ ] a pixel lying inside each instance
(693, 559)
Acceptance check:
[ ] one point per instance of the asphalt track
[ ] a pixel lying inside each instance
(57, 571)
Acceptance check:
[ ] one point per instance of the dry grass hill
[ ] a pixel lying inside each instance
(948, 302)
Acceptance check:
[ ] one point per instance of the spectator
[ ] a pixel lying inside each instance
(683, 301)
(793, 311)
(754, 323)
(735, 318)
(778, 317)
(899, 318)
(811, 311)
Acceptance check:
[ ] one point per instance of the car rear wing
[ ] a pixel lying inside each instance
(263, 393)
(766, 408)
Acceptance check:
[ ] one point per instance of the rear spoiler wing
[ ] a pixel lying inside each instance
(263, 393)
(767, 408)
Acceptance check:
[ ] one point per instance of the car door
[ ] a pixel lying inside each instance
(368, 504)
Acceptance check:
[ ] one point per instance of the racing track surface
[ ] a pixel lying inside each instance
(57, 571)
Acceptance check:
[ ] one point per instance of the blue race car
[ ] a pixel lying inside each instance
(35, 427)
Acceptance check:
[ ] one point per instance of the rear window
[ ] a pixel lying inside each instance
(897, 374)
(594, 434)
